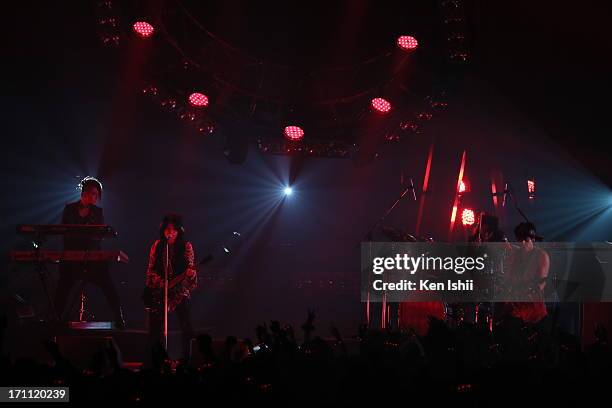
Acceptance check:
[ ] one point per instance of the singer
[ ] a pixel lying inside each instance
(173, 252)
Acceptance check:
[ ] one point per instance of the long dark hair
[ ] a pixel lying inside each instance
(179, 245)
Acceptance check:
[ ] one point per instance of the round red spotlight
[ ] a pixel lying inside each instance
(294, 133)
(381, 105)
(468, 217)
(143, 29)
(408, 43)
(198, 100)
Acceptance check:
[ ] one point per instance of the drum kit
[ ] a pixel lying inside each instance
(417, 314)
(413, 314)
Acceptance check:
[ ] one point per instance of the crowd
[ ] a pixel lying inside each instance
(469, 365)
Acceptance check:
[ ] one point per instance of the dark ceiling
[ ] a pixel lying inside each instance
(551, 60)
(546, 57)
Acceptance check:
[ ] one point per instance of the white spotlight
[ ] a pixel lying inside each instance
(288, 191)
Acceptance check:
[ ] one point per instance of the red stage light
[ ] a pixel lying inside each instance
(381, 105)
(143, 29)
(462, 187)
(198, 100)
(494, 192)
(531, 187)
(408, 43)
(294, 133)
(468, 217)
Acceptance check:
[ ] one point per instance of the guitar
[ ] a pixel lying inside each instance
(153, 298)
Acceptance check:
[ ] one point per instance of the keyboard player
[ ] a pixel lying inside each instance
(86, 212)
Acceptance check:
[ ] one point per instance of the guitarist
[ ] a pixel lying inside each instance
(182, 279)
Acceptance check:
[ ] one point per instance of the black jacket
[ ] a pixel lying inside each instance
(71, 216)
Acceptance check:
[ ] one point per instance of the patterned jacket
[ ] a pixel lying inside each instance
(155, 274)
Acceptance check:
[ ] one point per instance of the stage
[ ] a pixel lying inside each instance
(316, 200)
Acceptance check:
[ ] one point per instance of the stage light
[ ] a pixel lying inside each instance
(408, 43)
(198, 100)
(330, 148)
(294, 133)
(531, 188)
(143, 29)
(468, 217)
(381, 105)
(462, 187)
(206, 128)
(288, 191)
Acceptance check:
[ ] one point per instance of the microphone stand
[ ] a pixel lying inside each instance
(368, 237)
(479, 236)
(166, 266)
(509, 190)
(479, 242)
